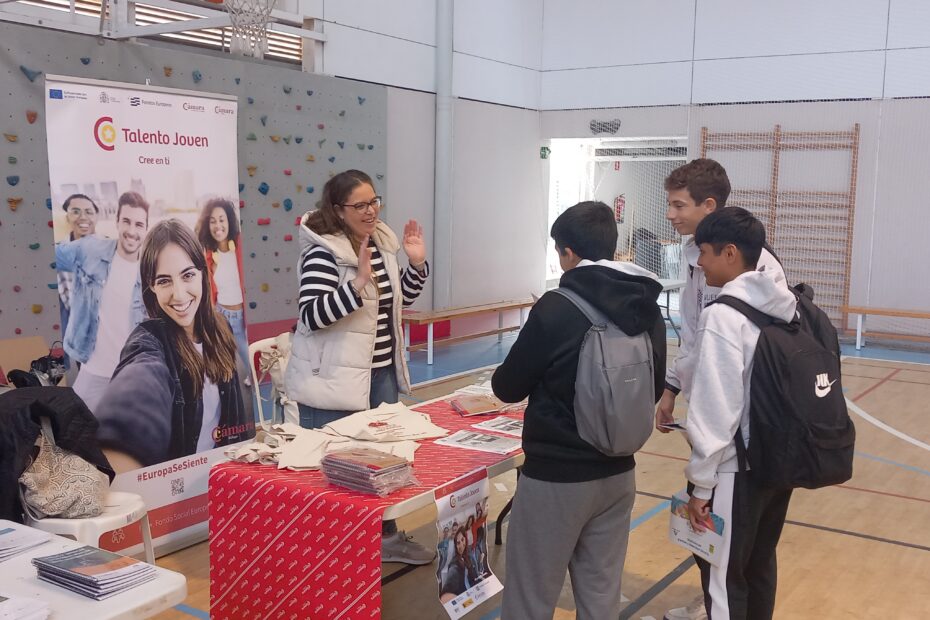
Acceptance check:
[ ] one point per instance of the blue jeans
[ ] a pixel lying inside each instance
(236, 320)
(383, 390)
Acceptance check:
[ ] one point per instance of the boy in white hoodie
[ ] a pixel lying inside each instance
(743, 586)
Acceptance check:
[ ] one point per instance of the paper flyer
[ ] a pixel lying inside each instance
(707, 544)
(502, 424)
(463, 574)
(471, 440)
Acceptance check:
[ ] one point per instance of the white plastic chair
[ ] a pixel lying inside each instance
(120, 509)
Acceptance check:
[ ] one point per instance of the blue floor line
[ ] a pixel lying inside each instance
(193, 611)
(880, 459)
(649, 514)
(887, 355)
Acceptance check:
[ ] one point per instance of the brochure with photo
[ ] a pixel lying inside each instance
(707, 544)
(477, 404)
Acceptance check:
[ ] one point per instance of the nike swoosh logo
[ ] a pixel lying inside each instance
(821, 392)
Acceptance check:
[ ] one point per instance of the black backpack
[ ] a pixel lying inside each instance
(801, 434)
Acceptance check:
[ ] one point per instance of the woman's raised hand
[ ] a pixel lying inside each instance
(413, 244)
(363, 276)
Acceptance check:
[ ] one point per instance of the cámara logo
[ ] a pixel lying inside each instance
(105, 133)
(823, 385)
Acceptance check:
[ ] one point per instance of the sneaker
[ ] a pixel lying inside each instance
(399, 547)
(694, 611)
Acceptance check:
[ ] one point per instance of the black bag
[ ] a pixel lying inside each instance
(801, 434)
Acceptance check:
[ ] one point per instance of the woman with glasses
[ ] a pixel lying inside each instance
(346, 354)
(175, 391)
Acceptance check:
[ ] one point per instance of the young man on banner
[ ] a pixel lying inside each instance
(106, 300)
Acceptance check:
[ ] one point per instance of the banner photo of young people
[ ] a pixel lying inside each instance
(144, 196)
(463, 574)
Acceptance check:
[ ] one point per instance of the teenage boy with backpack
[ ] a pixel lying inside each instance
(694, 191)
(730, 242)
(573, 502)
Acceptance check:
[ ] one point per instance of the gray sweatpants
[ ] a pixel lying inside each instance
(581, 526)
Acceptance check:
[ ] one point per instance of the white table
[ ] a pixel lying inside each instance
(667, 287)
(18, 578)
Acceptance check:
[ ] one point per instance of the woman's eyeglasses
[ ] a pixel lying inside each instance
(363, 206)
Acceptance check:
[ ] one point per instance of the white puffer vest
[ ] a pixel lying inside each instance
(331, 368)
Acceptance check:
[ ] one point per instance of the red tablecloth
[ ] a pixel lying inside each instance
(289, 545)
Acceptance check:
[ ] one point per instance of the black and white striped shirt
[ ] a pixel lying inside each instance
(321, 303)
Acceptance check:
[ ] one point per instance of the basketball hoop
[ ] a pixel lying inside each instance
(249, 20)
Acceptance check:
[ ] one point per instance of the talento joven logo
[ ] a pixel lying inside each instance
(105, 133)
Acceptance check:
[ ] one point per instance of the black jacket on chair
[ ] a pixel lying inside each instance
(73, 425)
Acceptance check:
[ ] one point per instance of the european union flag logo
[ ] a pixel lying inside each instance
(55, 93)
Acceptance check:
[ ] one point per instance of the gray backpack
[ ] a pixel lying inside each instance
(614, 386)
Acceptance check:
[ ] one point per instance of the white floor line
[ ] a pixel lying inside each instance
(868, 418)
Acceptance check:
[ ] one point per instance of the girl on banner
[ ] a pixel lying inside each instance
(461, 574)
(218, 230)
(175, 391)
(346, 355)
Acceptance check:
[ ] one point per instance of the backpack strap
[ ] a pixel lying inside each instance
(759, 319)
(591, 313)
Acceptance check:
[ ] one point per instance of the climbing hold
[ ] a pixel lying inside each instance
(85, 60)
(361, 100)
(53, 265)
(300, 188)
(29, 73)
(321, 126)
(197, 75)
(288, 237)
(17, 331)
(241, 204)
(309, 93)
(299, 107)
(252, 255)
(287, 139)
(288, 301)
(342, 145)
(31, 116)
(36, 308)
(168, 71)
(275, 138)
(297, 221)
(264, 237)
(263, 221)
(237, 80)
(332, 159)
(276, 254)
(288, 204)
(320, 143)
(11, 159)
(250, 100)
(264, 119)
(287, 172)
(241, 187)
(264, 287)
(275, 205)
(53, 285)
(56, 327)
(361, 147)
(48, 204)
(51, 224)
(12, 179)
(251, 136)
(298, 139)
(17, 288)
(380, 176)
(14, 203)
(286, 89)
(11, 137)
(371, 147)
(253, 305)
(342, 113)
(277, 270)
(310, 189)
(311, 158)
(251, 170)
(34, 246)
(263, 188)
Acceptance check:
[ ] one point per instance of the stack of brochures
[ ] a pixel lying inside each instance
(15, 540)
(23, 608)
(468, 405)
(367, 470)
(93, 572)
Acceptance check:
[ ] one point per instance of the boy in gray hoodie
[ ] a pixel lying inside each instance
(730, 242)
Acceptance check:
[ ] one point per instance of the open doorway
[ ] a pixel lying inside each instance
(628, 175)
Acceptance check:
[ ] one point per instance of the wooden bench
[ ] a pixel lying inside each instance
(430, 317)
(862, 311)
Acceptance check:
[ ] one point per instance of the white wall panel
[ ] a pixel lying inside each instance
(408, 186)
(661, 84)
(407, 19)
(727, 29)
(509, 31)
(499, 219)
(362, 55)
(907, 73)
(486, 80)
(784, 78)
(908, 22)
(600, 33)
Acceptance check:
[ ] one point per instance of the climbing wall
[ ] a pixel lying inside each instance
(295, 131)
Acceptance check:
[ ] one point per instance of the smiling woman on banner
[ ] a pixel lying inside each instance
(218, 232)
(345, 355)
(175, 391)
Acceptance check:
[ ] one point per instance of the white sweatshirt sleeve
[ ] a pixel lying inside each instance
(717, 398)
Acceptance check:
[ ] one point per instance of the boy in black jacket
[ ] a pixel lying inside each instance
(572, 506)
